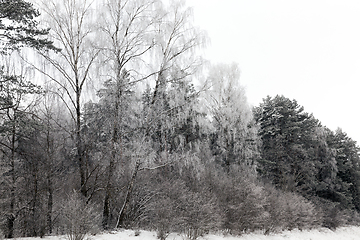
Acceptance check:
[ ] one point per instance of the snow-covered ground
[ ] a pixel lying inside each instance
(346, 233)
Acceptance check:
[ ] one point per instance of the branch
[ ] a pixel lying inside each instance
(66, 105)
(156, 167)
(53, 78)
(88, 68)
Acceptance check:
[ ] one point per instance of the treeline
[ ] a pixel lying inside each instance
(109, 119)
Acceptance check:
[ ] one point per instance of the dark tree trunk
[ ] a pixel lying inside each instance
(10, 226)
(106, 210)
(49, 206)
(11, 216)
(49, 176)
(35, 221)
(79, 147)
(114, 149)
(127, 197)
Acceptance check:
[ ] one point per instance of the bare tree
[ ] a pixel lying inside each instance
(127, 27)
(176, 43)
(170, 39)
(72, 31)
(175, 59)
(53, 137)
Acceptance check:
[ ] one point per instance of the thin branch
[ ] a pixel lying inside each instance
(156, 167)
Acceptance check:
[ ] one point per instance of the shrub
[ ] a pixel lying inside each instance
(199, 214)
(353, 217)
(79, 218)
(178, 209)
(300, 213)
(288, 211)
(241, 199)
(245, 208)
(334, 215)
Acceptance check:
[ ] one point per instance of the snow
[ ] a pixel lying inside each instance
(345, 233)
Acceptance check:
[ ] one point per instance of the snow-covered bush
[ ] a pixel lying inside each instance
(199, 214)
(178, 209)
(289, 211)
(78, 218)
(245, 208)
(241, 199)
(333, 215)
(300, 213)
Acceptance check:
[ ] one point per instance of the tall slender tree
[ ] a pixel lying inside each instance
(13, 125)
(177, 41)
(235, 140)
(127, 28)
(72, 30)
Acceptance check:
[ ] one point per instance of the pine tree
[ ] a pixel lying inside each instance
(19, 27)
(347, 188)
(286, 133)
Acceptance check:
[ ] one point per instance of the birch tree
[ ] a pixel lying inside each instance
(127, 28)
(175, 60)
(235, 138)
(73, 32)
(177, 40)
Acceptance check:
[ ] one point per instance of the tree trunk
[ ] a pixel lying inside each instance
(127, 197)
(160, 83)
(79, 147)
(114, 149)
(106, 210)
(11, 216)
(10, 226)
(49, 176)
(35, 221)
(49, 206)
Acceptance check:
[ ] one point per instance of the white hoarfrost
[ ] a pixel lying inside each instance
(345, 233)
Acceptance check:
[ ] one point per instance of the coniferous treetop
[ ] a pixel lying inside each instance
(19, 28)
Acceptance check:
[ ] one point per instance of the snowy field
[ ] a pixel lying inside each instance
(346, 233)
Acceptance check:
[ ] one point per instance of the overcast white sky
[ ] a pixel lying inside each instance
(307, 50)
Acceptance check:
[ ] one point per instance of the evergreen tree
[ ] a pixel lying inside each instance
(13, 128)
(287, 139)
(347, 188)
(109, 127)
(19, 27)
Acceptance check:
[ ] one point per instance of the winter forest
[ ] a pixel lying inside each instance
(111, 119)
